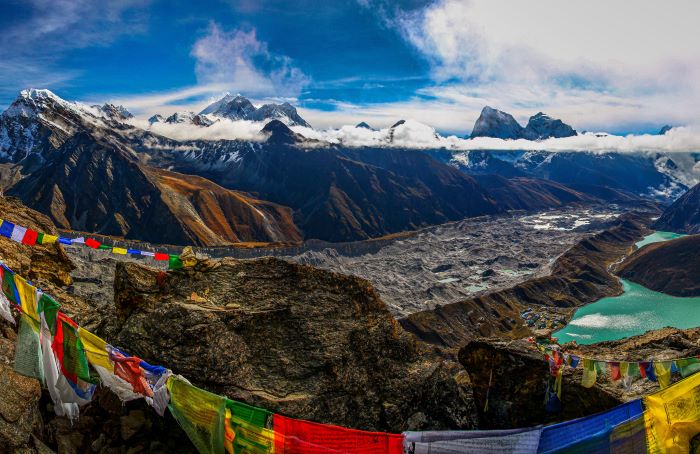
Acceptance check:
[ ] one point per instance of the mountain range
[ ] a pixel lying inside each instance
(90, 168)
(236, 108)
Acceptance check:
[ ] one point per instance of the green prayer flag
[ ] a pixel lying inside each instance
(40, 238)
(9, 287)
(49, 307)
(74, 357)
(688, 366)
(174, 262)
(249, 425)
(199, 413)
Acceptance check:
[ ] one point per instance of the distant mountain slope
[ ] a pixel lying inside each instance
(610, 176)
(338, 194)
(98, 186)
(671, 267)
(530, 193)
(683, 215)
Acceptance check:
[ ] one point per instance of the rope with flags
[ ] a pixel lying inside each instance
(31, 237)
(70, 362)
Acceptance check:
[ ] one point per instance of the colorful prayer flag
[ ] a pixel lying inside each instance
(118, 250)
(93, 243)
(297, 436)
(49, 307)
(200, 413)
(6, 229)
(30, 237)
(18, 233)
(128, 368)
(9, 288)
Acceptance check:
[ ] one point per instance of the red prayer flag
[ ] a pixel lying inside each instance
(161, 256)
(294, 436)
(643, 369)
(30, 237)
(615, 370)
(129, 369)
(93, 243)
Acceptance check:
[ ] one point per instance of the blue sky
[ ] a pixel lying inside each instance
(345, 61)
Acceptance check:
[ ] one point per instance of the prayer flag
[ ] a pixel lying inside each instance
(247, 427)
(589, 373)
(30, 237)
(118, 250)
(672, 416)
(128, 368)
(662, 370)
(161, 256)
(95, 350)
(18, 233)
(93, 243)
(27, 297)
(70, 352)
(614, 370)
(688, 366)
(46, 239)
(200, 413)
(174, 262)
(9, 288)
(49, 308)
(6, 229)
(298, 436)
(66, 241)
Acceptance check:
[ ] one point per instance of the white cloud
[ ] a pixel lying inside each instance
(417, 135)
(599, 61)
(223, 129)
(244, 63)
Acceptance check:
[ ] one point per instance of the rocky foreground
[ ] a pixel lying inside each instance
(297, 340)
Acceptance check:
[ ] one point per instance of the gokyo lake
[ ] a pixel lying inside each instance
(634, 312)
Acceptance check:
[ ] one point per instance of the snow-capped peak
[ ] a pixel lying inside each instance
(32, 101)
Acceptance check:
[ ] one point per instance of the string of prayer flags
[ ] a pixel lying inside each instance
(55, 350)
(658, 371)
(30, 237)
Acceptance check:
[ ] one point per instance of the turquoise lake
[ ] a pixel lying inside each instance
(634, 312)
(657, 237)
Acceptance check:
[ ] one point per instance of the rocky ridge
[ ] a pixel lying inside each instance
(495, 123)
(683, 216)
(670, 267)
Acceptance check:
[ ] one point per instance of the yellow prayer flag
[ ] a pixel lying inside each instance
(95, 350)
(27, 296)
(589, 373)
(672, 416)
(662, 370)
(49, 239)
(118, 250)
